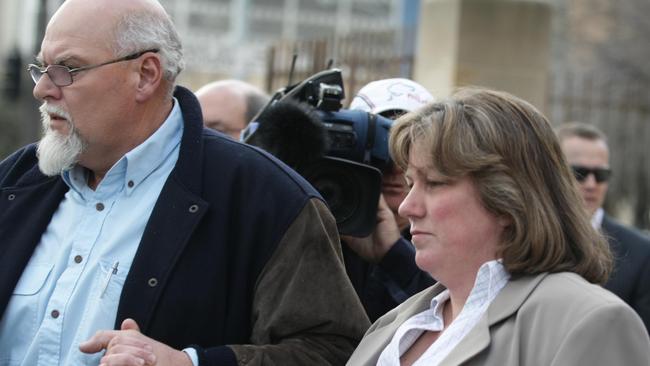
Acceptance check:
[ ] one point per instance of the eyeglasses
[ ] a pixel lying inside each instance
(600, 174)
(62, 75)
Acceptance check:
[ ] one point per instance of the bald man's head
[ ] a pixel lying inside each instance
(229, 105)
(123, 27)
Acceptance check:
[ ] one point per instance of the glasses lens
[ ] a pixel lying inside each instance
(600, 174)
(60, 75)
(35, 73)
(580, 173)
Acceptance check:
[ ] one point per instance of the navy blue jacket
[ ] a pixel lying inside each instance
(630, 279)
(219, 219)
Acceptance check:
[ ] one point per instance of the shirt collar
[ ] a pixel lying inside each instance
(597, 218)
(490, 279)
(136, 165)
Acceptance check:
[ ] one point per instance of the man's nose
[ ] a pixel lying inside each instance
(45, 88)
(590, 181)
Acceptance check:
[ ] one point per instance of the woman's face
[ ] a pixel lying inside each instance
(452, 232)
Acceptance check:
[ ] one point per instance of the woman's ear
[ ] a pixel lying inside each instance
(504, 221)
(150, 76)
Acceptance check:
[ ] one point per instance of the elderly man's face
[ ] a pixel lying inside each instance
(97, 100)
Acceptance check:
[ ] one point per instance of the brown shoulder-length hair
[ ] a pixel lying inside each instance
(511, 152)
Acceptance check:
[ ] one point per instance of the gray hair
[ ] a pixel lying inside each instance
(144, 30)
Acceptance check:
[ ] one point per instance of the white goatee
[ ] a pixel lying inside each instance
(57, 152)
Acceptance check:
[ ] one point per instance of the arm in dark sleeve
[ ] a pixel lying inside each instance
(305, 311)
(641, 300)
(405, 278)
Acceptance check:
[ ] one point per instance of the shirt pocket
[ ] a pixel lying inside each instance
(32, 280)
(101, 309)
(21, 318)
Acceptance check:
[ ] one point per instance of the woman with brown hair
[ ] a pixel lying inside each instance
(497, 221)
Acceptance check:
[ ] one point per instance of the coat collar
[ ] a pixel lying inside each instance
(188, 169)
(507, 303)
(177, 212)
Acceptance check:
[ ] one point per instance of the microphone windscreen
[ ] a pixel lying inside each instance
(292, 132)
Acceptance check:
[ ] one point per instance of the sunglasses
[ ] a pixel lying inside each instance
(600, 174)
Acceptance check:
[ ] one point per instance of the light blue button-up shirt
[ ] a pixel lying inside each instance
(72, 284)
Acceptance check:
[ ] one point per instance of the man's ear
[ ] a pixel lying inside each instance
(150, 76)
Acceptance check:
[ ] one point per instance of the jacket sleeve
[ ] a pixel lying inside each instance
(607, 335)
(305, 310)
(641, 300)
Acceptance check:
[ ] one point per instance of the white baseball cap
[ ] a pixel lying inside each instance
(391, 94)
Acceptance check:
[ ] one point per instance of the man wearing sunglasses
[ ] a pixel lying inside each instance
(132, 235)
(586, 150)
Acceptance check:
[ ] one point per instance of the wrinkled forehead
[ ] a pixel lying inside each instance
(79, 28)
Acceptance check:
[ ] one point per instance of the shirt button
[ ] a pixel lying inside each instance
(77, 259)
(130, 184)
(99, 206)
(55, 314)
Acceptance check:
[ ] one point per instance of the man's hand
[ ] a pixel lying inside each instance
(129, 347)
(373, 247)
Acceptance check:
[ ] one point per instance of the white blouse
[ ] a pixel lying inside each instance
(490, 279)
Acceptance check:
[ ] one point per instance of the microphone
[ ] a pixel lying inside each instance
(292, 132)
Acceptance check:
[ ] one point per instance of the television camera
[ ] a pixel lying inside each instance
(340, 152)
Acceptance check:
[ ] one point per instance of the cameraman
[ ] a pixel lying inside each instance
(382, 266)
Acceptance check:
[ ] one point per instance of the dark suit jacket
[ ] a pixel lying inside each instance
(630, 279)
(238, 249)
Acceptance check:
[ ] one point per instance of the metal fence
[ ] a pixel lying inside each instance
(361, 57)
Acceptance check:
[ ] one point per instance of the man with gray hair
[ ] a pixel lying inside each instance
(131, 235)
(586, 150)
(229, 105)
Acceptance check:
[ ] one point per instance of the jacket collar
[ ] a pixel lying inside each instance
(508, 302)
(180, 203)
(188, 169)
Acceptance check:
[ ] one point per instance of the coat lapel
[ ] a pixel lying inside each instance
(177, 212)
(382, 332)
(20, 232)
(507, 303)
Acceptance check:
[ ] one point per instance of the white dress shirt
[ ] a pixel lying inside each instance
(597, 218)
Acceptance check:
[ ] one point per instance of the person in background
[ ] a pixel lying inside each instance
(382, 266)
(586, 150)
(132, 235)
(229, 105)
(496, 219)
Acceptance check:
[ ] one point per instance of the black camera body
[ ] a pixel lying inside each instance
(344, 162)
